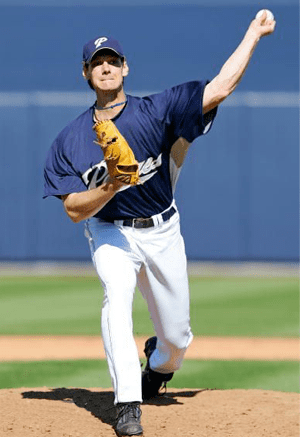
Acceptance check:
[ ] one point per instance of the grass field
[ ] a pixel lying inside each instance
(220, 306)
(274, 375)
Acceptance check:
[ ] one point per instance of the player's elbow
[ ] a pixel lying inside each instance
(72, 212)
(74, 216)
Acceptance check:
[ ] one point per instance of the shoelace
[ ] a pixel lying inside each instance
(163, 389)
(131, 409)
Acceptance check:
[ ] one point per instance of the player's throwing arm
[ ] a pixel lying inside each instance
(234, 68)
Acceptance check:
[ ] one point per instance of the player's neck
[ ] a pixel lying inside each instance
(109, 98)
(108, 105)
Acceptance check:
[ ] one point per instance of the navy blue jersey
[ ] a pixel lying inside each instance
(151, 125)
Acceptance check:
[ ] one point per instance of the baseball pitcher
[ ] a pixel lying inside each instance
(115, 167)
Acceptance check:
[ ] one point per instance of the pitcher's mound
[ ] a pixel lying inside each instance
(75, 412)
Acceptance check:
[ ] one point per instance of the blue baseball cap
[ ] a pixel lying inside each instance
(100, 43)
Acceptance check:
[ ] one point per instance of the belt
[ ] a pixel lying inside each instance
(147, 222)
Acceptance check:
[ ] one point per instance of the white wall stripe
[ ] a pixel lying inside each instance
(278, 99)
(55, 98)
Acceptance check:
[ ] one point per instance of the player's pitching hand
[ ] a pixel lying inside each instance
(262, 25)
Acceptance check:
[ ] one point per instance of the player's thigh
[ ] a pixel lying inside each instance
(166, 263)
(113, 260)
(163, 282)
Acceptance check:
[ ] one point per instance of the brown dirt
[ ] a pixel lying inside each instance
(31, 348)
(76, 412)
(67, 412)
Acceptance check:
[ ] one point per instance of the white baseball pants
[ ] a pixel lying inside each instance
(153, 259)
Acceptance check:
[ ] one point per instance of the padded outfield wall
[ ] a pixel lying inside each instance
(238, 191)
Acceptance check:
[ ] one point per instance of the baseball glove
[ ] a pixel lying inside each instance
(119, 157)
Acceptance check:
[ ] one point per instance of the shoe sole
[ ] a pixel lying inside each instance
(124, 435)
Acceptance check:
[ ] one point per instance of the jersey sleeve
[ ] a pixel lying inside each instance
(185, 110)
(180, 109)
(60, 177)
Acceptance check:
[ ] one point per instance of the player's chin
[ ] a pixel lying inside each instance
(109, 85)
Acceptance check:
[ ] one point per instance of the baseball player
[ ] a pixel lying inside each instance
(115, 167)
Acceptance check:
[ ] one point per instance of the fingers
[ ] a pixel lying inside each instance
(265, 19)
(264, 15)
(263, 25)
(268, 27)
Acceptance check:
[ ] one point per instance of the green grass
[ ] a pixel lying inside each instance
(50, 305)
(245, 306)
(232, 306)
(279, 376)
(267, 375)
(73, 373)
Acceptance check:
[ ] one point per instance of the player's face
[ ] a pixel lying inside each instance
(106, 71)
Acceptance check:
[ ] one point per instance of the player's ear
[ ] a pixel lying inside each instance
(125, 68)
(85, 71)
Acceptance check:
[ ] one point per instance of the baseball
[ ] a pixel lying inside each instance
(270, 15)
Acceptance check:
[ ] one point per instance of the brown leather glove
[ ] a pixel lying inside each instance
(119, 157)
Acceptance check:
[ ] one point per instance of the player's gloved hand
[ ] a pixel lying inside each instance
(119, 157)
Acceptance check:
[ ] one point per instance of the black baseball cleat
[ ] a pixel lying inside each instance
(152, 381)
(128, 420)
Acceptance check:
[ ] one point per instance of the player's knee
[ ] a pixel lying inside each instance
(180, 341)
(176, 353)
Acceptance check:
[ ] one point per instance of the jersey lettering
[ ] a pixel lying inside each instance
(96, 175)
(149, 165)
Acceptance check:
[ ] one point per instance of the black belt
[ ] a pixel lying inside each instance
(146, 222)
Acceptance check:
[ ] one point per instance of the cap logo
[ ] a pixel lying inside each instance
(100, 41)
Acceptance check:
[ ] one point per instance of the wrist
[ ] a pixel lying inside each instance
(252, 36)
(114, 185)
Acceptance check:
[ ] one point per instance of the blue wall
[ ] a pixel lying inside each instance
(42, 46)
(242, 185)
(238, 191)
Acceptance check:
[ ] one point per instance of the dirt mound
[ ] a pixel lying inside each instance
(75, 412)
